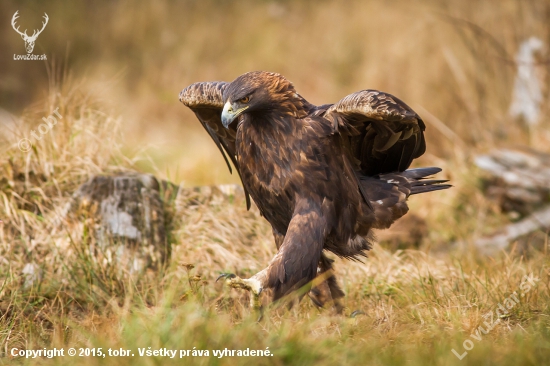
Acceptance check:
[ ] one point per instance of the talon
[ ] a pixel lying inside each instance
(226, 276)
(356, 312)
(250, 284)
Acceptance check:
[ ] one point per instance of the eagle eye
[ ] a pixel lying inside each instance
(244, 100)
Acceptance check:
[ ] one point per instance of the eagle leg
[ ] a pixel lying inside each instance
(253, 285)
(328, 291)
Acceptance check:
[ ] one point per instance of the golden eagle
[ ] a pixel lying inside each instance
(323, 176)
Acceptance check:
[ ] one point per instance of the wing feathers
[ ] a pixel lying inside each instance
(375, 105)
(384, 134)
(219, 145)
(204, 95)
(206, 100)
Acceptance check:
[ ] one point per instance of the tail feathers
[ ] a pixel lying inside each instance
(388, 192)
(429, 188)
(420, 173)
(425, 182)
(422, 185)
(416, 180)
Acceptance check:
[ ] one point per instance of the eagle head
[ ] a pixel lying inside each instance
(261, 92)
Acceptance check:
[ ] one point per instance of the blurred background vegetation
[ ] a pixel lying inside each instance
(115, 70)
(452, 61)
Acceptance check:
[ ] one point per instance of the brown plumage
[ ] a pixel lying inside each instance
(323, 176)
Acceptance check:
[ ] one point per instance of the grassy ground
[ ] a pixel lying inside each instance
(418, 305)
(418, 309)
(453, 62)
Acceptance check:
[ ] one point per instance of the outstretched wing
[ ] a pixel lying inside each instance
(205, 99)
(381, 133)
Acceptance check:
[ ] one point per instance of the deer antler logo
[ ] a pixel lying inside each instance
(29, 41)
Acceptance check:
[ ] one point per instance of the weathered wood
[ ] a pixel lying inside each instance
(518, 179)
(500, 240)
(125, 217)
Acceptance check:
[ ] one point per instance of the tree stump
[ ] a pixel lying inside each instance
(123, 215)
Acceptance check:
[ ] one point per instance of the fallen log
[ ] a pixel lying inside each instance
(519, 181)
(539, 220)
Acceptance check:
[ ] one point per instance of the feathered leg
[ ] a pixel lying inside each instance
(328, 291)
(295, 264)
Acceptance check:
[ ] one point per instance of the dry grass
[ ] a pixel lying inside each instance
(418, 305)
(452, 61)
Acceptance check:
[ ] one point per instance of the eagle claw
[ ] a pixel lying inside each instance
(252, 285)
(225, 275)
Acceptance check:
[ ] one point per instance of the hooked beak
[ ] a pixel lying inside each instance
(229, 114)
